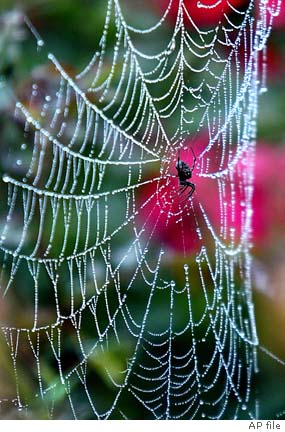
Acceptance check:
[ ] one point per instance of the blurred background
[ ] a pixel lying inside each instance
(71, 29)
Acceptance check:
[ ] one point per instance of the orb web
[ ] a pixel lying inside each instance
(139, 302)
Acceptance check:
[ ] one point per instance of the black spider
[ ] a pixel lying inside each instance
(184, 173)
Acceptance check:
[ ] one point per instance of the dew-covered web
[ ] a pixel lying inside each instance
(139, 301)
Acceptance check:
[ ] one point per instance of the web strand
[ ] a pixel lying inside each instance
(99, 222)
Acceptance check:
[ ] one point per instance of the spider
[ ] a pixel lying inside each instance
(184, 173)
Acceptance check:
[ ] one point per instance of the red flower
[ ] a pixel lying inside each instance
(275, 51)
(274, 6)
(218, 210)
(203, 12)
(269, 195)
(185, 225)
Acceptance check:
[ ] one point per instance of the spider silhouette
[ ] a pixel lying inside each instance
(185, 173)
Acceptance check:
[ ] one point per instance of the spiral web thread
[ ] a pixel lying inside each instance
(91, 258)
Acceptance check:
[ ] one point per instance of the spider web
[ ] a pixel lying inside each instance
(116, 326)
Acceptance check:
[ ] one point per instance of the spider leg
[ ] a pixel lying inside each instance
(184, 199)
(183, 186)
(194, 161)
(192, 187)
(182, 189)
(190, 194)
